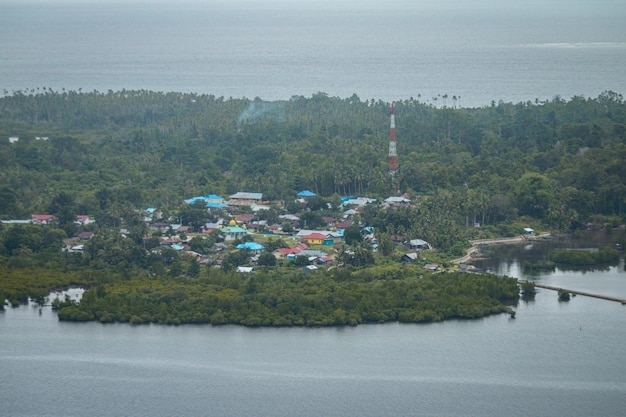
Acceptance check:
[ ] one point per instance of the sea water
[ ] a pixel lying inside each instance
(553, 359)
(446, 53)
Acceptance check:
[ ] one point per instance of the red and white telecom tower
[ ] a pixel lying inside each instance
(393, 155)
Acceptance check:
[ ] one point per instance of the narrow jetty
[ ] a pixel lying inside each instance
(588, 294)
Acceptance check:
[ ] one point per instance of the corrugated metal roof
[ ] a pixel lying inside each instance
(247, 196)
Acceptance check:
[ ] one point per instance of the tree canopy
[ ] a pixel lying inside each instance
(559, 160)
(111, 155)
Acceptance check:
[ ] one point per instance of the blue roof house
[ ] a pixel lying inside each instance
(254, 247)
(212, 198)
(216, 205)
(210, 201)
(193, 200)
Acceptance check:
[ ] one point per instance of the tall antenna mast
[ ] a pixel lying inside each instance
(393, 155)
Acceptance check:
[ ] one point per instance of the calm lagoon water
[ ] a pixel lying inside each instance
(603, 280)
(554, 359)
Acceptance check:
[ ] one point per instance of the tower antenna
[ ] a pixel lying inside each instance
(393, 155)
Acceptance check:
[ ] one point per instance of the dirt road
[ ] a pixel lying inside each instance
(476, 244)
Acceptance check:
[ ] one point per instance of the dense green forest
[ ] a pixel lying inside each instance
(559, 161)
(553, 165)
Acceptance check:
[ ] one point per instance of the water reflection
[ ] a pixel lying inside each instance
(66, 294)
(532, 262)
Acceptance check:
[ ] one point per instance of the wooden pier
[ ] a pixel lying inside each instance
(587, 294)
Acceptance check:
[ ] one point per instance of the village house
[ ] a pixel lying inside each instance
(320, 260)
(286, 253)
(315, 239)
(344, 224)
(179, 228)
(159, 226)
(304, 232)
(309, 253)
(254, 247)
(359, 201)
(313, 257)
(244, 218)
(43, 219)
(417, 244)
(396, 201)
(219, 247)
(274, 228)
(214, 201)
(207, 199)
(259, 207)
(245, 199)
(169, 241)
(330, 221)
(254, 227)
(177, 247)
(289, 253)
(211, 227)
(150, 214)
(329, 237)
(409, 258)
(306, 193)
(74, 248)
(289, 217)
(83, 219)
(348, 214)
(85, 235)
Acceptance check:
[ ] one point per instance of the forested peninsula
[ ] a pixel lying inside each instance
(179, 208)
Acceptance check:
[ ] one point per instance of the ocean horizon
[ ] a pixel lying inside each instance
(443, 53)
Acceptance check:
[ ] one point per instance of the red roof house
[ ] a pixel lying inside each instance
(42, 218)
(315, 238)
